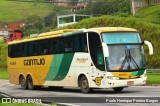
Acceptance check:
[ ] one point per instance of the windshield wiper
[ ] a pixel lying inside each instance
(134, 61)
(125, 60)
(128, 59)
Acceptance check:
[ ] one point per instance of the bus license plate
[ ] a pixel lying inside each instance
(130, 82)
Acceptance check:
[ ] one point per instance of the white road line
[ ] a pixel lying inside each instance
(5, 95)
(8, 84)
(67, 104)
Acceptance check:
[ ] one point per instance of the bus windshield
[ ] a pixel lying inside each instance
(125, 52)
(120, 37)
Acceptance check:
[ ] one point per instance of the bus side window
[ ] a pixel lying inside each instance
(57, 46)
(23, 50)
(50, 49)
(80, 43)
(10, 50)
(16, 50)
(32, 49)
(43, 47)
(53, 46)
(68, 44)
(84, 43)
(13, 51)
(77, 43)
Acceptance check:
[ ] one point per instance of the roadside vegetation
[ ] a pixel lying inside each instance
(153, 78)
(3, 73)
(20, 10)
(149, 13)
(3, 54)
(108, 7)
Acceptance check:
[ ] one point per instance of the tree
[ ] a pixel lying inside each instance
(73, 2)
(108, 7)
(148, 2)
(34, 24)
(51, 19)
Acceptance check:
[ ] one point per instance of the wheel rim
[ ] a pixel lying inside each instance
(85, 84)
(22, 82)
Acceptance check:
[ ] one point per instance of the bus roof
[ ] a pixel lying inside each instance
(66, 32)
(113, 29)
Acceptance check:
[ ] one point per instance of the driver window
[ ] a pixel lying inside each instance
(96, 50)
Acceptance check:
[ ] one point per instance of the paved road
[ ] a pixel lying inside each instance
(74, 94)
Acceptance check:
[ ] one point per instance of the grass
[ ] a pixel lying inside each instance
(3, 73)
(152, 78)
(18, 10)
(149, 13)
(17, 104)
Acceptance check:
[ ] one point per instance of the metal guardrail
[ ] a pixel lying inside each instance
(153, 70)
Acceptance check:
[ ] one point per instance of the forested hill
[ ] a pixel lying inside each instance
(19, 10)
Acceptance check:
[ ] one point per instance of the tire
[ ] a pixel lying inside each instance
(84, 85)
(22, 82)
(30, 83)
(118, 89)
(37, 87)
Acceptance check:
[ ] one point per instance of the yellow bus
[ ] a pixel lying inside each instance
(104, 57)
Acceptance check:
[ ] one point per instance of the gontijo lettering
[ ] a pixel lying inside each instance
(29, 62)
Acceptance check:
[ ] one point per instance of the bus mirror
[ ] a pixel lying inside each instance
(105, 50)
(149, 46)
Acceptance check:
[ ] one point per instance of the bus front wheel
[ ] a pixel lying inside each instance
(118, 89)
(22, 82)
(85, 85)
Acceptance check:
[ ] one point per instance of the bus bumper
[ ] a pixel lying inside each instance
(126, 82)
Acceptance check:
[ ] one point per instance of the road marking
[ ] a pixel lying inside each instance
(67, 104)
(11, 85)
(5, 95)
(8, 84)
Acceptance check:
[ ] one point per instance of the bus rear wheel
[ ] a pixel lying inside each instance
(30, 83)
(118, 89)
(22, 82)
(85, 85)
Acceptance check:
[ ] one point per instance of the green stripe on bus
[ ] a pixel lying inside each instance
(54, 67)
(134, 73)
(65, 66)
(137, 73)
(140, 72)
(59, 67)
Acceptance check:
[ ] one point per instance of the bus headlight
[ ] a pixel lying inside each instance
(113, 78)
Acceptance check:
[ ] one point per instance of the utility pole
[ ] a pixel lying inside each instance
(133, 7)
